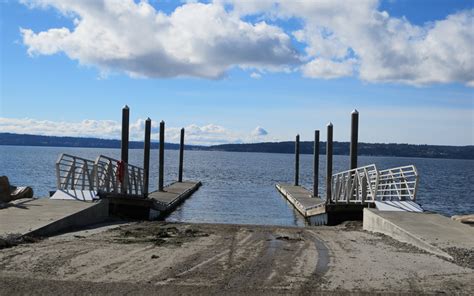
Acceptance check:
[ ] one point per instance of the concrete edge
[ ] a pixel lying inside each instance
(92, 215)
(376, 223)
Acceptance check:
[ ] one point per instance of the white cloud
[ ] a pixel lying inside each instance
(259, 132)
(210, 134)
(200, 40)
(327, 69)
(340, 38)
(255, 75)
(385, 48)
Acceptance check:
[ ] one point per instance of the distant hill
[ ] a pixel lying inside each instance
(34, 140)
(340, 148)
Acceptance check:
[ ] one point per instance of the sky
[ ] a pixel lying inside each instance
(240, 71)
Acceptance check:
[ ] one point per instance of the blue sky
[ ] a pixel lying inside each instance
(240, 72)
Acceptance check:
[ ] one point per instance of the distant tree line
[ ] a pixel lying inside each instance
(340, 148)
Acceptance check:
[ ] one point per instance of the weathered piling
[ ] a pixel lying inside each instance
(125, 133)
(329, 161)
(146, 156)
(161, 156)
(297, 160)
(181, 156)
(124, 148)
(316, 163)
(354, 138)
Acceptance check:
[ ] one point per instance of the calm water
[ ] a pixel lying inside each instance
(240, 187)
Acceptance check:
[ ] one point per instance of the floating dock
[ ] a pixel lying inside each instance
(315, 210)
(42, 217)
(172, 195)
(157, 204)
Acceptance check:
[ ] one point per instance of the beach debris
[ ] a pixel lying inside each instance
(9, 193)
(14, 239)
(467, 219)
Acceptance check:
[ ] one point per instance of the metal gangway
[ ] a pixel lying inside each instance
(83, 179)
(390, 189)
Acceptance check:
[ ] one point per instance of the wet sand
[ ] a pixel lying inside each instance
(177, 258)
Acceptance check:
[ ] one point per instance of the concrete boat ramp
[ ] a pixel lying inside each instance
(44, 216)
(431, 232)
(434, 233)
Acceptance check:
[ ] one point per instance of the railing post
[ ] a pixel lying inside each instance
(316, 164)
(162, 156)
(146, 156)
(181, 156)
(354, 138)
(329, 161)
(297, 160)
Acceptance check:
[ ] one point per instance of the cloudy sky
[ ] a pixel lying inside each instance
(240, 71)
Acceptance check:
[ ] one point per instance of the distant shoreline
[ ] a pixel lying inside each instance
(306, 147)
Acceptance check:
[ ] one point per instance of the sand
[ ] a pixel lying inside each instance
(194, 259)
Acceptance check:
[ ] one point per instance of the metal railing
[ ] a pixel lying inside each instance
(114, 176)
(74, 172)
(367, 185)
(105, 175)
(355, 186)
(398, 184)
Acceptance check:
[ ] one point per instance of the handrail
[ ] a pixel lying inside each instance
(113, 176)
(398, 183)
(74, 172)
(355, 186)
(367, 184)
(105, 174)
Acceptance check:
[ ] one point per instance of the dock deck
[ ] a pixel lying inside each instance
(173, 194)
(45, 216)
(315, 209)
(302, 199)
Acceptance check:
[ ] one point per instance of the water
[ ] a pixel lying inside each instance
(240, 187)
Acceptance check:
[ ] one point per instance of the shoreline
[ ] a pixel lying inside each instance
(203, 258)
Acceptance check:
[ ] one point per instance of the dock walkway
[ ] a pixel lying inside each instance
(173, 194)
(302, 199)
(315, 209)
(45, 216)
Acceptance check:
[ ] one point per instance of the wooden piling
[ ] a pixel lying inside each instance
(316, 164)
(297, 160)
(354, 138)
(125, 133)
(181, 156)
(146, 157)
(161, 157)
(329, 161)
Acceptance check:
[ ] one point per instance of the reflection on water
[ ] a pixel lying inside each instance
(240, 187)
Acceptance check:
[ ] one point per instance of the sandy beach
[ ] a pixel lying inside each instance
(178, 258)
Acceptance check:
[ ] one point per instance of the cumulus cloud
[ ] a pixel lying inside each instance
(196, 39)
(210, 134)
(340, 38)
(259, 131)
(353, 37)
(327, 69)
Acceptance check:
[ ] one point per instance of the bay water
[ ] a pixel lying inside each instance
(239, 187)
